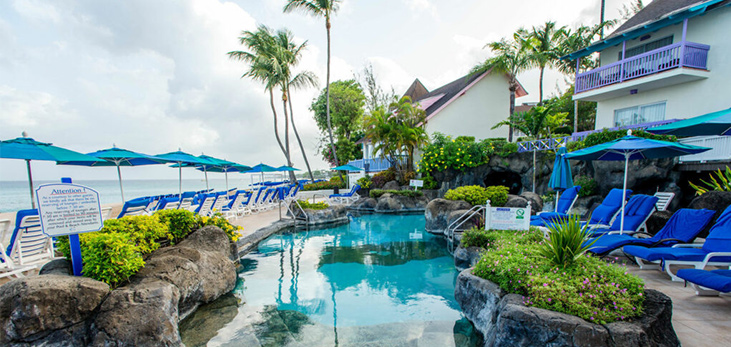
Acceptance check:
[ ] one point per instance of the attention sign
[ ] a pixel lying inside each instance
(67, 209)
(507, 218)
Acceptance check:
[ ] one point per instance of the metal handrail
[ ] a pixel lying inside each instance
(294, 215)
(452, 228)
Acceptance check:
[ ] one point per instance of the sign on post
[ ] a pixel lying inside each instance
(416, 183)
(69, 209)
(507, 218)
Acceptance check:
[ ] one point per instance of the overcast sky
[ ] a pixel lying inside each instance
(153, 76)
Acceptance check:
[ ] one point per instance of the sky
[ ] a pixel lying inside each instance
(153, 76)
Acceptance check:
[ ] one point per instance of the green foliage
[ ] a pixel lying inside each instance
(110, 257)
(476, 237)
(721, 182)
(476, 195)
(565, 104)
(430, 182)
(347, 102)
(377, 193)
(446, 153)
(144, 231)
(383, 177)
(567, 242)
(538, 122)
(365, 182)
(588, 185)
(588, 288)
(347, 150)
(232, 231)
(179, 222)
(324, 185)
(313, 205)
(611, 135)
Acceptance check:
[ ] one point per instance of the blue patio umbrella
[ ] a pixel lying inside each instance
(221, 165)
(561, 174)
(261, 168)
(633, 148)
(347, 167)
(181, 158)
(117, 157)
(285, 168)
(28, 149)
(715, 123)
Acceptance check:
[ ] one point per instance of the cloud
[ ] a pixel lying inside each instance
(423, 6)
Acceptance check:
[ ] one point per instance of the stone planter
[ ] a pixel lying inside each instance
(330, 215)
(503, 320)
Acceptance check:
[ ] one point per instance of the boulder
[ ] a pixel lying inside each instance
(431, 194)
(536, 202)
(468, 224)
(584, 205)
(504, 320)
(364, 204)
(49, 309)
(467, 257)
(144, 313)
(437, 213)
(391, 185)
(657, 220)
(516, 201)
(57, 267)
(713, 200)
(394, 203)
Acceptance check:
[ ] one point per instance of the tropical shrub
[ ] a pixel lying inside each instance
(232, 231)
(446, 153)
(324, 185)
(365, 182)
(477, 237)
(383, 177)
(588, 185)
(721, 182)
(143, 231)
(476, 195)
(430, 182)
(377, 193)
(588, 287)
(406, 177)
(313, 205)
(179, 222)
(567, 241)
(110, 257)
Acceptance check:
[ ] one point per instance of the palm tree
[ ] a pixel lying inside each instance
(511, 59)
(543, 45)
(320, 8)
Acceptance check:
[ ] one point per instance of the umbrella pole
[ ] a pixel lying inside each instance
(30, 182)
(119, 175)
(225, 173)
(206, 174)
(624, 192)
(534, 169)
(555, 205)
(180, 181)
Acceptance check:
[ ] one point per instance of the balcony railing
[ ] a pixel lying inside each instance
(371, 165)
(694, 55)
(720, 148)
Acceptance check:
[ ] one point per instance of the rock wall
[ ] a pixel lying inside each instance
(61, 310)
(503, 320)
(390, 203)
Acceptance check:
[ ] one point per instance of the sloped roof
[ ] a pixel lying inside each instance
(438, 98)
(654, 11)
(416, 91)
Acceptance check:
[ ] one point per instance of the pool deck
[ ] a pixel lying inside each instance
(698, 321)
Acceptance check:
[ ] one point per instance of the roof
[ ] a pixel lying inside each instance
(416, 91)
(439, 98)
(656, 15)
(525, 107)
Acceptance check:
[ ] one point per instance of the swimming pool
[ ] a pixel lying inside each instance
(379, 280)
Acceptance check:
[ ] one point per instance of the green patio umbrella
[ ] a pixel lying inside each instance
(117, 157)
(561, 175)
(28, 149)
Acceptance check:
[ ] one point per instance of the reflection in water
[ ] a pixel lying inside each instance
(379, 279)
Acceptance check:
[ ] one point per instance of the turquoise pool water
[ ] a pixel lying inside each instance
(379, 280)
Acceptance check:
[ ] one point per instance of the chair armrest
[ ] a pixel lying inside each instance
(663, 241)
(649, 236)
(625, 232)
(688, 245)
(710, 256)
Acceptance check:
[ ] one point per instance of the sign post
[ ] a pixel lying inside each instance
(69, 209)
(416, 184)
(507, 218)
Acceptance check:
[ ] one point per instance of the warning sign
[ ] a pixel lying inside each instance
(67, 209)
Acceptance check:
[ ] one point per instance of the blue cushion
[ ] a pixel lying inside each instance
(638, 208)
(719, 238)
(668, 253)
(566, 199)
(610, 205)
(18, 219)
(608, 243)
(719, 280)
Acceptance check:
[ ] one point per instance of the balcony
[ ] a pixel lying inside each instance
(371, 165)
(720, 149)
(651, 70)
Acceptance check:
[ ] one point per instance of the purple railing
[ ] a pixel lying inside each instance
(694, 55)
(555, 143)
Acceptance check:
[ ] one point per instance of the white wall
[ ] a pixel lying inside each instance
(475, 112)
(685, 100)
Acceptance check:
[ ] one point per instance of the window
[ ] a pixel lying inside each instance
(639, 114)
(631, 52)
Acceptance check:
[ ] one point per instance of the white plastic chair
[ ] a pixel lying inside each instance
(663, 200)
(30, 245)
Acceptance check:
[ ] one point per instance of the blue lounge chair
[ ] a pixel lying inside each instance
(715, 251)
(563, 206)
(707, 283)
(682, 227)
(638, 210)
(206, 205)
(237, 205)
(346, 198)
(28, 244)
(603, 215)
(170, 203)
(135, 207)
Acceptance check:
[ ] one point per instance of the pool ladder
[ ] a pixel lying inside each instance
(303, 217)
(456, 226)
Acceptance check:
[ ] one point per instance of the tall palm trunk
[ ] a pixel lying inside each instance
(512, 110)
(297, 135)
(327, 99)
(286, 134)
(276, 128)
(540, 86)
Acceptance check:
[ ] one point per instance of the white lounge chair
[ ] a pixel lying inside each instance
(663, 200)
(28, 244)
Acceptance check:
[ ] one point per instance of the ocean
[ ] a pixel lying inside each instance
(14, 195)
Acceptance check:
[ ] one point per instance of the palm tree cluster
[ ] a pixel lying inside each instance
(540, 47)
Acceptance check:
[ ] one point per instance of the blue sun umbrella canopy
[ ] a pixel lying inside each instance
(633, 148)
(262, 168)
(347, 167)
(561, 174)
(220, 165)
(285, 168)
(116, 157)
(28, 149)
(181, 159)
(715, 123)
